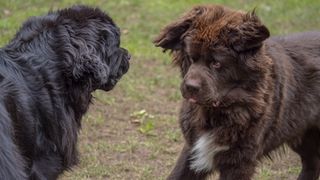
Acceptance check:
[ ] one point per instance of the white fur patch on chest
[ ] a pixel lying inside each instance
(203, 152)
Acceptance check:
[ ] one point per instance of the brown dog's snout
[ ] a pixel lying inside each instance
(193, 83)
(192, 86)
(190, 89)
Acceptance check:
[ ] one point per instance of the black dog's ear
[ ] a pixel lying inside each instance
(248, 35)
(171, 36)
(88, 66)
(84, 60)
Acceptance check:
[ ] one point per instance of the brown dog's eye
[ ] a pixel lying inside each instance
(215, 65)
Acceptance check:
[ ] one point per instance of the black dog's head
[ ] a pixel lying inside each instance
(220, 53)
(83, 42)
(89, 41)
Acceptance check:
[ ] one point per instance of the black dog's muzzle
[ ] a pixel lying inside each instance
(117, 69)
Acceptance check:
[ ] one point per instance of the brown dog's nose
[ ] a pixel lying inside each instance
(192, 86)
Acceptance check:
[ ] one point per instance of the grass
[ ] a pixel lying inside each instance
(118, 143)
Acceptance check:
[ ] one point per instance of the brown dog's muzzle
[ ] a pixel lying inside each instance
(190, 89)
(199, 87)
(191, 86)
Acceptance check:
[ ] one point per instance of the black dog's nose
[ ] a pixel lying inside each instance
(128, 57)
(125, 53)
(192, 86)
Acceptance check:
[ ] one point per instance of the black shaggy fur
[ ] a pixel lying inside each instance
(47, 74)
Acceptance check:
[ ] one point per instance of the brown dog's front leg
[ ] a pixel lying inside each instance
(241, 171)
(182, 170)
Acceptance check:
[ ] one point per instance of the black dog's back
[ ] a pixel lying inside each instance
(29, 106)
(11, 162)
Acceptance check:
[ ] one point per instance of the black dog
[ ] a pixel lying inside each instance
(47, 74)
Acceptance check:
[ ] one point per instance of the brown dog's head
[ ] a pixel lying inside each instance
(220, 53)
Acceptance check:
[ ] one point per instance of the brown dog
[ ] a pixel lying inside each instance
(245, 94)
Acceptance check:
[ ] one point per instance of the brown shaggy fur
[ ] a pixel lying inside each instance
(245, 94)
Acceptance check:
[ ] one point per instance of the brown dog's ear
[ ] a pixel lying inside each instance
(248, 35)
(171, 36)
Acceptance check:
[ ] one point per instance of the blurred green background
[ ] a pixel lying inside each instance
(132, 132)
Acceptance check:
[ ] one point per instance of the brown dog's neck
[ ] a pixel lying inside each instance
(238, 113)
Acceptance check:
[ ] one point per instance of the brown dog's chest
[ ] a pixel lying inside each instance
(219, 135)
(228, 126)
